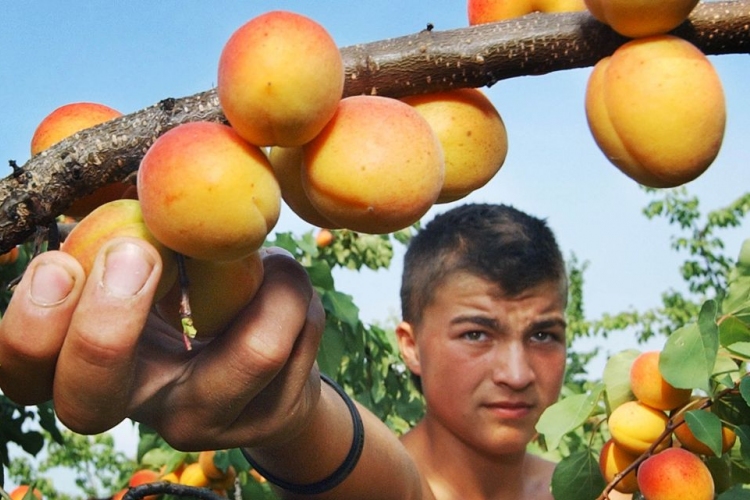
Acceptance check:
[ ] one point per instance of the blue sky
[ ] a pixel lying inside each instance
(130, 55)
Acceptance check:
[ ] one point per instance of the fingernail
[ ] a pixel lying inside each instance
(126, 269)
(50, 284)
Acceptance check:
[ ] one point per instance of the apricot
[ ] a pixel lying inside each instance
(376, 167)
(20, 492)
(650, 388)
(641, 18)
(287, 166)
(675, 474)
(489, 11)
(471, 133)
(218, 290)
(9, 257)
(688, 440)
(324, 238)
(61, 124)
(114, 219)
(206, 461)
(193, 476)
(207, 193)
(170, 477)
(656, 109)
(635, 426)
(612, 461)
(280, 79)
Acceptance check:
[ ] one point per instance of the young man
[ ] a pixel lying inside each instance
(484, 292)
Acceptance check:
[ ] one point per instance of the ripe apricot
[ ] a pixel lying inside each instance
(640, 18)
(635, 426)
(688, 440)
(207, 193)
(61, 124)
(650, 388)
(193, 476)
(324, 238)
(656, 109)
(280, 79)
(612, 461)
(287, 166)
(218, 290)
(206, 461)
(376, 167)
(471, 133)
(20, 491)
(488, 11)
(9, 257)
(675, 474)
(113, 219)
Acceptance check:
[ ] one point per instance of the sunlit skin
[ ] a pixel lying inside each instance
(489, 366)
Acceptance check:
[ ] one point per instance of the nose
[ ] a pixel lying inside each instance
(512, 367)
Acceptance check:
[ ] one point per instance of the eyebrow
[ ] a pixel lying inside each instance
(492, 323)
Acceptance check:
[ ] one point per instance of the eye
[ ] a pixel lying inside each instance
(545, 337)
(475, 336)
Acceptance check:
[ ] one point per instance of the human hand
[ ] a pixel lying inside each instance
(94, 347)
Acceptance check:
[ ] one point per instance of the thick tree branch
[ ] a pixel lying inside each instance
(427, 61)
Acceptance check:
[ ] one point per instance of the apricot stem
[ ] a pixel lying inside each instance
(186, 316)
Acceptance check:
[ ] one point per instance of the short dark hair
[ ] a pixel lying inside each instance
(504, 245)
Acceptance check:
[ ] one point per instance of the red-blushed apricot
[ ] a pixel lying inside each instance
(114, 219)
(9, 257)
(376, 167)
(641, 18)
(649, 386)
(688, 440)
(287, 166)
(656, 109)
(612, 461)
(144, 476)
(218, 290)
(635, 427)
(61, 124)
(206, 461)
(471, 133)
(207, 193)
(675, 474)
(20, 491)
(489, 11)
(119, 494)
(280, 79)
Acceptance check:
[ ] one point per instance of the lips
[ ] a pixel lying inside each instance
(511, 409)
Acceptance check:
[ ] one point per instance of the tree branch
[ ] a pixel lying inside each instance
(427, 61)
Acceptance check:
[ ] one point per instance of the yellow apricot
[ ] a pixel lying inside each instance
(635, 426)
(193, 475)
(612, 461)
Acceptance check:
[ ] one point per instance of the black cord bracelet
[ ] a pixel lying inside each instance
(339, 474)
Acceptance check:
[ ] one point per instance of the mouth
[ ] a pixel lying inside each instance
(510, 410)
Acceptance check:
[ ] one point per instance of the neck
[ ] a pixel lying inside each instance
(456, 470)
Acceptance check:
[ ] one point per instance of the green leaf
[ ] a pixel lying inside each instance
(745, 389)
(689, 354)
(341, 306)
(617, 377)
(737, 492)
(733, 330)
(320, 274)
(741, 349)
(743, 433)
(706, 427)
(577, 477)
(566, 415)
(331, 351)
(738, 295)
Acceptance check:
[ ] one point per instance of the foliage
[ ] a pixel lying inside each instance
(706, 349)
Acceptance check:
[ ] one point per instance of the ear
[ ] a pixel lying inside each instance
(407, 344)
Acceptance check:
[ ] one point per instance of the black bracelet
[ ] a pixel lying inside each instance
(339, 474)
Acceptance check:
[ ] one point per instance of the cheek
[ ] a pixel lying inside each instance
(550, 375)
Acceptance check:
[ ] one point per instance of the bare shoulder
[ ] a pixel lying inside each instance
(539, 474)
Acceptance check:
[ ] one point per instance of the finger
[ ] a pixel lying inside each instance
(97, 361)
(35, 324)
(234, 367)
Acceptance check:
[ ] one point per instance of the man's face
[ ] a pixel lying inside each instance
(489, 364)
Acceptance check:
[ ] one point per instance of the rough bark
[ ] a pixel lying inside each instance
(427, 61)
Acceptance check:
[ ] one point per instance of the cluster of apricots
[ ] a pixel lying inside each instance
(656, 106)
(674, 468)
(370, 164)
(202, 473)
